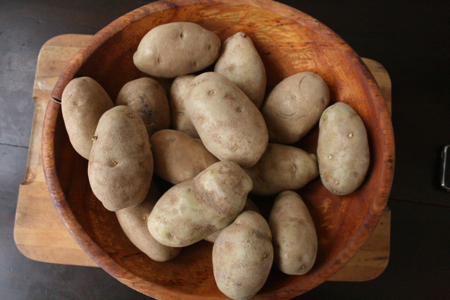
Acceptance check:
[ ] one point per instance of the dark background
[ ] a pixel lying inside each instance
(410, 39)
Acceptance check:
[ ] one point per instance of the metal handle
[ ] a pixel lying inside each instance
(445, 178)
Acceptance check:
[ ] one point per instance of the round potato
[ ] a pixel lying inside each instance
(121, 163)
(243, 256)
(175, 49)
(294, 106)
(229, 124)
(179, 91)
(83, 102)
(294, 235)
(249, 206)
(148, 98)
(133, 221)
(193, 209)
(282, 167)
(342, 149)
(179, 157)
(240, 62)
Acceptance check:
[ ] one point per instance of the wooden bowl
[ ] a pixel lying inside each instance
(289, 42)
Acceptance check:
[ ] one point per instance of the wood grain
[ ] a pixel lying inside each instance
(288, 41)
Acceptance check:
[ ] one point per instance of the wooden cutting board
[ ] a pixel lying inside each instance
(40, 234)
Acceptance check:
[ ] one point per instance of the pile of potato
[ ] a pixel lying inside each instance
(217, 138)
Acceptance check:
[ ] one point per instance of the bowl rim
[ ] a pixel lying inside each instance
(163, 292)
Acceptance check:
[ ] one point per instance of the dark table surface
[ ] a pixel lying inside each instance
(410, 38)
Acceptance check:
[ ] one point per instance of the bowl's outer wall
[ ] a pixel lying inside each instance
(288, 42)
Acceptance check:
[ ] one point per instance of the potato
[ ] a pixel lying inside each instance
(229, 124)
(249, 206)
(175, 49)
(148, 98)
(82, 103)
(120, 166)
(342, 149)
(243, 256)
(282, 167)
(178, 157)
(178, 93)
(294, 106)
(193, 209)
(133, 221)
(241, 64)
(294, 235)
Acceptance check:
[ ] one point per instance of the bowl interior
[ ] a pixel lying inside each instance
(288, 42)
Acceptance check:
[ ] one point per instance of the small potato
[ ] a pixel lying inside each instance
(148, 98)
(83, 102)
(294, 106)
(133, 221)
(175, 49)
(178, 157)
(241, 63)
(294, 235)
(193, 209)
(229, 124)
(282, 167)
(243, 256)
(179, 92)
(342, 149)
(249, 206)
(121, 163)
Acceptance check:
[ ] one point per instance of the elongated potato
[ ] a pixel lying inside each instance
(121, 163)
(175, 49)
(294, 235)
(249, 206)
(243, 256)
(342, 149)
(241, 64)
(282, 167)
(83, 102)
(133, 221)
(193, 209)
(294, 106)
(148, 98)
(229, 124)
(179, 92)
(179, 157)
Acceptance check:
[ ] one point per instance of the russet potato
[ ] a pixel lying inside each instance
(82, 104)
(229, 124)
(190, 211)
(175, 49)
(294, 106)
(342, 149)
(133, 221)
(148, 98)
(120, 165)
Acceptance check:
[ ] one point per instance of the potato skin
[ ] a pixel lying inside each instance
(282, 167)
(229, 124)
(241, 64)
(175, 49)
(83, 102)
(249, 206)
(148, 98)
(133, 221)
(193, 209)
(294, 235)
(294, 106)
(179, 157)
(342, 150)
(179, 92)
(243, 256)
(120, 167)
